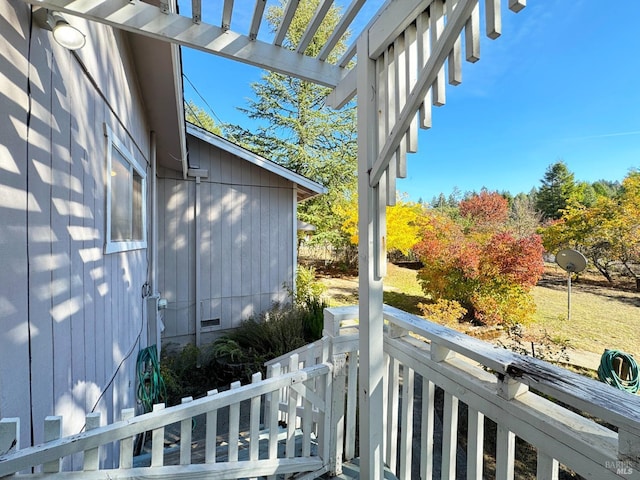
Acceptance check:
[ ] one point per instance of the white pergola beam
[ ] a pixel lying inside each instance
(394, 20)
(439, 53)
(145, 19)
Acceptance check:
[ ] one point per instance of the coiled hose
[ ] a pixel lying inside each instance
(151, 387)
(607, 371)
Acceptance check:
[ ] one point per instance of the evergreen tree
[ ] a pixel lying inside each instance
(299, 132)
(196, 115)
(558, 185)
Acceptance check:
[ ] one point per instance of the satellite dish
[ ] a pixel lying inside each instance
(571, 261)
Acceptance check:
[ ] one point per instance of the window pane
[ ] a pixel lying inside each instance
(121, 214)
(137, 207)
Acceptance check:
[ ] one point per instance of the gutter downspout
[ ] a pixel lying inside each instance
(198, 174)
(153, 280)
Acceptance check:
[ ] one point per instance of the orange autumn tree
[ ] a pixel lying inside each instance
(481, 265)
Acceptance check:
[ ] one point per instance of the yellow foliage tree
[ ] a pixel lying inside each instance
(403, 225)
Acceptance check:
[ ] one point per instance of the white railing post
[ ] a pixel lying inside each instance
(254, 418)
(126, 444)
(91, 459)
(475, 444)
(211, 431)
(234, 427)
(9, 435)
(273, 414)
(157, 441)
(185, 437)
(52, 431)
(336, 432)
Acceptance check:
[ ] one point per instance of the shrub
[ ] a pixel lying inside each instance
(444, 311)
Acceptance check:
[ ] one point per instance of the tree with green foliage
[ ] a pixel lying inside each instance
(558, 186)
(299, 132)
(196, 115)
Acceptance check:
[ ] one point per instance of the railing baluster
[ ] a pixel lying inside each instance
(547, 467)
(126, 444)
(352, 397)
(234, 426)
(392, 415)
(91, 458)
(291, 411)
(274, 407)
(426, 438)
(52, 431)
(337, 413)
(505, 453)
(475, 444)
(449, 435)
(385, 405)
(211, 432)
(254, 429)
(406, 442)
(185, 437)
(157, 441)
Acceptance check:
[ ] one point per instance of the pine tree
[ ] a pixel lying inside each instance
(299, 132)
(558, 185)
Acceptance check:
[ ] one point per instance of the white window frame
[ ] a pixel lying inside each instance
(114, 246)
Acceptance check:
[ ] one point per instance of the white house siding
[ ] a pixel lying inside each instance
(74, 310)
(246, 242)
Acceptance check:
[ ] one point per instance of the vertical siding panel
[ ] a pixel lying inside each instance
(63, 303)
(172, 314)
(246, 237)
(265, 250)
(77, 236)
(40, 238)
(236, 234)
(90, 251)
(216, 236)
(255, 238)
(274, 244)
(188, 263)
(226, 244)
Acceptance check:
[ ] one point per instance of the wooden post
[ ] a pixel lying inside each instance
(52, 431)
(336, 431)
(157, 441)
(91, 457)
(185, 437)
(9, 435)
(211, 432)
(370, 282)
(126, 444)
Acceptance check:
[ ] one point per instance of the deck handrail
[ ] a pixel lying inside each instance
(56, 449)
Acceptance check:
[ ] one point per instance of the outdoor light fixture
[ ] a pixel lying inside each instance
(64, 34)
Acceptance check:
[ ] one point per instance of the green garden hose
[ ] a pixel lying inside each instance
(607, 372)
(151, 387)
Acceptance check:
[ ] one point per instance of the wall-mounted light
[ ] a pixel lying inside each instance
(66, 35)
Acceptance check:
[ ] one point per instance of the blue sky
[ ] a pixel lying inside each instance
(561, 83)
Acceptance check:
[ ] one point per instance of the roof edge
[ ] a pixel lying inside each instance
(314, 188)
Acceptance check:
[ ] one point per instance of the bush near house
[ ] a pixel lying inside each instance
(243, 351)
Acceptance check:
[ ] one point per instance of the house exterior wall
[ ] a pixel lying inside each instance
(72, 317)
(246, 243)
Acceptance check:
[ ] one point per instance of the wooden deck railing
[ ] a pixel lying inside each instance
(278, 456)
(441, 389)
